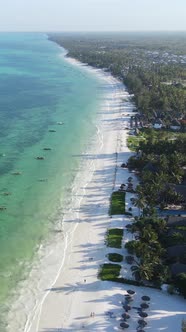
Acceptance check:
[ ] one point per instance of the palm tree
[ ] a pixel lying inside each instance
(142, 271)
(142, 249)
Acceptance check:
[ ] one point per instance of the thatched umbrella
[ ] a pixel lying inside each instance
(125, 315)
(143, 314)
(142, 322)
(145, 298)
(144, 305)
(129, 259)
(124, 325)
(131, 292)
(130, 179)
(127, 307)
(128, 298)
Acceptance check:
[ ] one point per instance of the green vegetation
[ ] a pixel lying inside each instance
(154, 71)
(154, 99)
(109, 271)
(160, 163)
(133, 142)
(175, 238)
(151, 66)
(180, 282)
(113, 257)
(122, 280)
(149, 248)
(114, 237)
(117, 203)
(148, 134)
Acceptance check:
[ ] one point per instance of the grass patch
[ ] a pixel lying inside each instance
(113, 257)
(114, 237)
(133, 142)
(117, 203)
(109, 271)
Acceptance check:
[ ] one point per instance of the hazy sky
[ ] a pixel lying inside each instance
(92, 15)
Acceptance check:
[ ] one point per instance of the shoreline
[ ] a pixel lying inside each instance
(51, 315)
(76, 291)
(18, 308)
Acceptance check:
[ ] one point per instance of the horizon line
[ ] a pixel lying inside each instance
(91, 31)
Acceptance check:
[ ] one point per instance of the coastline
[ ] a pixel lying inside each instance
(71, 287)
(67, 304)
(48, 255)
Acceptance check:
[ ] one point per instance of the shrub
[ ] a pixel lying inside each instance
(113, 257)
(171, 289)
(180, 282)
(130, 282)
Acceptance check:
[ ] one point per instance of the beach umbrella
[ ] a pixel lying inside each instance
(128, 298)
(124, 325)
(125, 315)
(145, 298)
(144, 305)
(127, 307)
(142, 322)
(143, 314)
(130, 291)
(127, 295)
(129, 259)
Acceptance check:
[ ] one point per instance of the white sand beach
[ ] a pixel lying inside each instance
(75, 291)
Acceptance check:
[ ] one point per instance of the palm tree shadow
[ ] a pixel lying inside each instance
(87, 326)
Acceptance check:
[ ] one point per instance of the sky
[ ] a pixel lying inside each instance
(92, 15)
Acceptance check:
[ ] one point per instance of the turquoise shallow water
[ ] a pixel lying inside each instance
(38, 88)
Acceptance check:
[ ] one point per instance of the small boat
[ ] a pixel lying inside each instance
(40, 158)
(17, 173)
(60, 123)
(47, 149)
(52, 131)
(42, 180)
(2, 208)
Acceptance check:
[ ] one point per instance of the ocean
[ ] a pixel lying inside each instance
(48, 110)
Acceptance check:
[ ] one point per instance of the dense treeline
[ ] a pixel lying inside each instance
(153, 97)
(152, 66)
(160, 162)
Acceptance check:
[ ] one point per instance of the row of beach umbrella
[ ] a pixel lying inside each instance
(141, 322)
